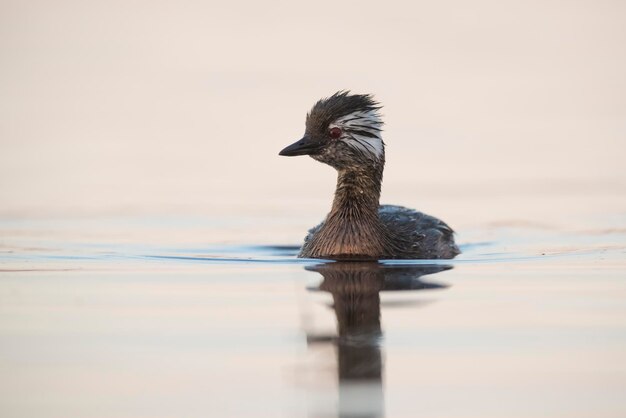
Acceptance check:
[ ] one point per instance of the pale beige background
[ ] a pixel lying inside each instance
(181, 106)
(138, 137)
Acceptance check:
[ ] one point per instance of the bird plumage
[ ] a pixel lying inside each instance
(344, 131)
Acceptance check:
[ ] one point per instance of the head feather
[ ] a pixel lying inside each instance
(358, 117)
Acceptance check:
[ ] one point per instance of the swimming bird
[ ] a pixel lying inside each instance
(345, 132)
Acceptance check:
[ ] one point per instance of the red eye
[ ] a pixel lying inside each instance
(334, 133)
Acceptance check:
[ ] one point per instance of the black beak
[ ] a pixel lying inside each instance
(302, 147)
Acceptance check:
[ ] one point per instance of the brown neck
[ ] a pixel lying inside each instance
(352, 229)
(358, 192)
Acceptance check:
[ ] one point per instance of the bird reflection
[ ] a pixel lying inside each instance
(355, 288)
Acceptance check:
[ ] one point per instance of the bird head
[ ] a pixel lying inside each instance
(343, 131)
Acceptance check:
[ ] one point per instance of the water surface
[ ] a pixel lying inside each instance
(98, 321)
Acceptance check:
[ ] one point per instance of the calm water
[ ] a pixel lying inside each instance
(149, 316)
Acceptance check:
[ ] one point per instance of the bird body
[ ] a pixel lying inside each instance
(403, 233)
(344, 131)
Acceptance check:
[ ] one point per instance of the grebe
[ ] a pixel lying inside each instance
(344, 131)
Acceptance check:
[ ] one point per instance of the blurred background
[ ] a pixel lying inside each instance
(164, 107)
(148, 227)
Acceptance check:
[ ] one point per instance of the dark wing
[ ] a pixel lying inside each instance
(432, 237)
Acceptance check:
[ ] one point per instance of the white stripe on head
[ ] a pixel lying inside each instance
(362, 131)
